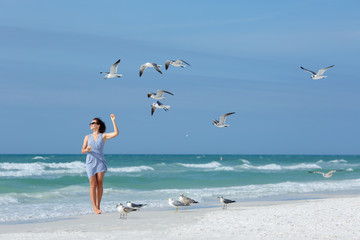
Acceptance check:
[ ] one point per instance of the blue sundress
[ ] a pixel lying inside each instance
(95, 160)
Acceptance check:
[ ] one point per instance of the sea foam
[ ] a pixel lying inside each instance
(338, 161)
(40, 158)
(40, 168)
(131, 169)
(212, 166)
(4, 200)
(277, 167)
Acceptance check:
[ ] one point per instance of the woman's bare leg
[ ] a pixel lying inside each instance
(99, 192)
(93, 188)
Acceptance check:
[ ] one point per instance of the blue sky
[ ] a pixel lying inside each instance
(245, 57)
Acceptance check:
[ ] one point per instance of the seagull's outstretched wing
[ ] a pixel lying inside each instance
(142, 69)
(156, 67)
(185, 62)
(113, 68)
(160, 93)
(321, 71)
(314, 73)
(167, 64)
(153, 108)
(223, 117)
(167, 92)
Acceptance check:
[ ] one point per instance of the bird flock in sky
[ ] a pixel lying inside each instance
(159, 95)
(181, 63)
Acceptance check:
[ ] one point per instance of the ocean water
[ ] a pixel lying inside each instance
(43, 187)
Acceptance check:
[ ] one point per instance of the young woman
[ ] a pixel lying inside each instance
(95, 162)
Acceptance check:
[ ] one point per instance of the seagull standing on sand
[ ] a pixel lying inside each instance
(186, 200)
(135, 206)
(327, 175)
(158, 95)
(124, 210)
(225, 201)
(222, 120)
(158, 104)
(319, 74)
(146, 65)
(177, 63)
(113, 71)
(176, 204)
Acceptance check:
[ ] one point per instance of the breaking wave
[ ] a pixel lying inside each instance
(40, 168)
(131, 169)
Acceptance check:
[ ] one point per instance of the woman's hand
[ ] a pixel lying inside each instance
(88, 148)
(112, 117)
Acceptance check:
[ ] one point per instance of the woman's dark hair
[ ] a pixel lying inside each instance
(102, 128)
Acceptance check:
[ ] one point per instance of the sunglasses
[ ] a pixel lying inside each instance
(92, 123)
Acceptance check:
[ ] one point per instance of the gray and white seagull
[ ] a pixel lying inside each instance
(222, 120)
(158, 104)
(158, 95)
(146, 65)
(113, 71)
(225, 201)
(124, 210)
(319, 74)
(177, 63)
(175, 203)
(186, 200)
(328, 174)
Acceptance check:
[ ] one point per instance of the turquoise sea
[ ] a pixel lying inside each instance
(45, 187)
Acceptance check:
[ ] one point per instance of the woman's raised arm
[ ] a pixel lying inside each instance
(107, 136)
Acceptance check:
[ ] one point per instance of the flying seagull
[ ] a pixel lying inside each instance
(222, 120)
(136, 206)
(124, 210)
(177, 63)
(327, 175)
(176, 204)
(158, 104)
(146, 65)
(225, 201)
(319, 74)
(158, 95)
(186, 200)
(113, 71)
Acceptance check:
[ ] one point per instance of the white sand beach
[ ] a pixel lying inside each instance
(328, 218)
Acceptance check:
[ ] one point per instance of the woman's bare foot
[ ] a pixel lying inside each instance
(96, 210)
